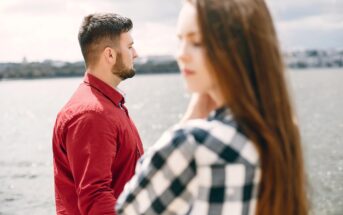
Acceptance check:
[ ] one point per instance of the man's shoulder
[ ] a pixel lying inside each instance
(86, 98)
(85, 104)
(73, 114)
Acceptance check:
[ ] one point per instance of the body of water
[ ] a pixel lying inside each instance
(28, 110)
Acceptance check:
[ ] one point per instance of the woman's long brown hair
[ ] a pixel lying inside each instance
(244, 56)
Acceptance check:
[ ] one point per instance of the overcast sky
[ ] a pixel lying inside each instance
(47, 29)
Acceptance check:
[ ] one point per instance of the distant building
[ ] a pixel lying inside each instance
(314, 58)
(24, 61)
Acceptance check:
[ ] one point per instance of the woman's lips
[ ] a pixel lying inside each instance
(188, 72)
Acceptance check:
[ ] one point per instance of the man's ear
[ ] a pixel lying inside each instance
(110, 55)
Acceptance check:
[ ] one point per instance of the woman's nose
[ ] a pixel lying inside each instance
(182, 54)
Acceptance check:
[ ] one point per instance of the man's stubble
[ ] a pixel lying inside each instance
(121, 70)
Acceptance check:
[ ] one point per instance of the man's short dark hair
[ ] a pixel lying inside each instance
(99, 28)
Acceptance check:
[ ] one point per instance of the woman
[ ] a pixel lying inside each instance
(245, 157)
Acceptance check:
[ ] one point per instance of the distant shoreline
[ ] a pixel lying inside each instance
(159, 73)
(78, 76)
(299, 60)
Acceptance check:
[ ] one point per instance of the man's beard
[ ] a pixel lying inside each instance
(121, 70)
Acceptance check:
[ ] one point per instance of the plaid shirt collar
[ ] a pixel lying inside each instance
(222, 114)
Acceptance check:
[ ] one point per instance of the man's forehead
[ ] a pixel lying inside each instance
(126, 37)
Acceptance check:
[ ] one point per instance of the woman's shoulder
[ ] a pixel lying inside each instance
(216, 140)
(211, 141)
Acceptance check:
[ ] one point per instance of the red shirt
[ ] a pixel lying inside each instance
(95, 147)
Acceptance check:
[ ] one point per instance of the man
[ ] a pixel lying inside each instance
(95, 143)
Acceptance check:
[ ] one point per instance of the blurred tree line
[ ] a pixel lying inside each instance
(300, 59)
(52, 69)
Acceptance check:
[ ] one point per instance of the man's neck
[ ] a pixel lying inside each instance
(105, 76)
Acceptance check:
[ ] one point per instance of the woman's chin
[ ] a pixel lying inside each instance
(190, 89)
(194, 88)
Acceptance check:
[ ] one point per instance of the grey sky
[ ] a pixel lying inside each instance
(41, 29)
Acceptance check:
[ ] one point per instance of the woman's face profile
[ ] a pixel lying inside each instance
(191, 52)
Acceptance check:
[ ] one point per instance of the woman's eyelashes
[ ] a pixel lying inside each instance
(196, 44)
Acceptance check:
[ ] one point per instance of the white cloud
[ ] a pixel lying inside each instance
(155, 38)
(321, 32)
(40, 29)
(316, 23)
(308, 23)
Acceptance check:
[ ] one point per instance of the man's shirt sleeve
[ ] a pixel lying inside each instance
(164, 180)
(91, 144)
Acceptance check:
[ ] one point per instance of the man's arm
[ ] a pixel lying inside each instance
(91, 148)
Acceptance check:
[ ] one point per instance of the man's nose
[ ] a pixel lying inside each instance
(135, 55)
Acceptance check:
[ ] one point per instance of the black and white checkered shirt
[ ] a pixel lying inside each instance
(202, 167)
